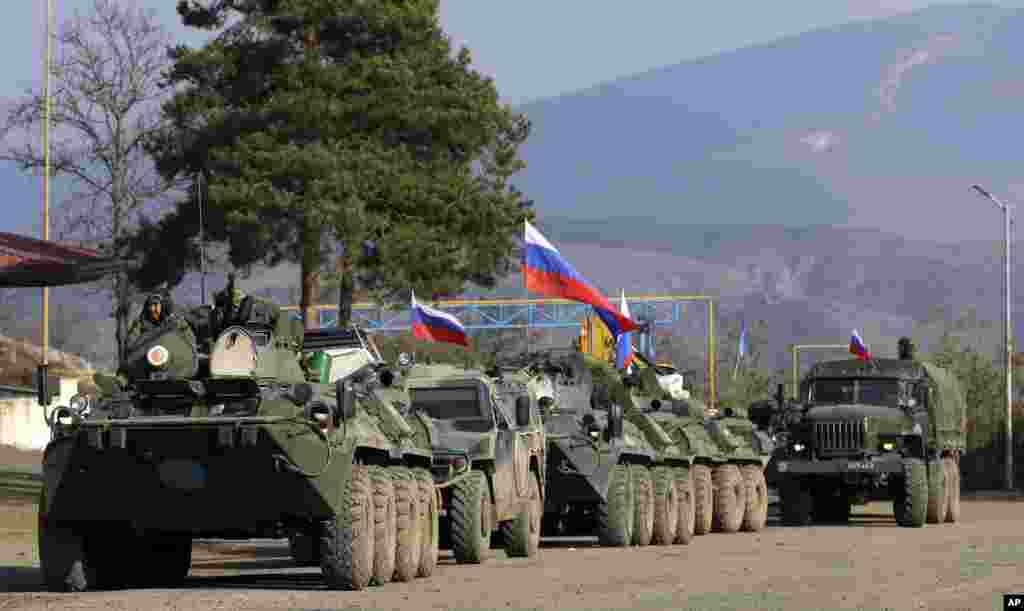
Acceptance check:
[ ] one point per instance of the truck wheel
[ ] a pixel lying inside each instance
(703, 499)
(730, 499)
(797, 503)
(429, 523)
(407, 524)
(615, 516)
(831, 508)
(666, 506)
(938, 498)
(952, 488)
(346, 545)
(643, 525)
(755, 515)
(915, 493)
(471, 519)
(522, 535)
(687, 518)
(304, 548)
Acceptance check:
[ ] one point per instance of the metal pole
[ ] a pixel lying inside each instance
(1007, 333)
(46, 183)
(1009, 352)
(712, 394)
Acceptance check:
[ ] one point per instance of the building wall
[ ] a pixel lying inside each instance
(23, 420)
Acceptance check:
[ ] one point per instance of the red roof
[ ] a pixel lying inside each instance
(30, 262)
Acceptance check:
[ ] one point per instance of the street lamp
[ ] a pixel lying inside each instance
(1008, 333)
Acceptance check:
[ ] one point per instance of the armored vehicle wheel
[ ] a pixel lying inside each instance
(385, 527)
(522, 535)
(643, 510)
(615, 516)
(429, 526)
(346, 545)
(730, 499)
(305, 548)
(952, 488)
(915, 494)
(703, 499)
(685, 495)
(67, 562)
(471, 519)
(408, 524)
(755, 515)
(666, 506)
(797, 503)
(938, 498)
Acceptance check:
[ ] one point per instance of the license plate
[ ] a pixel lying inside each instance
(860, 466)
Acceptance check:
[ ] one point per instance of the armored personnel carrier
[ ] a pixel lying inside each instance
(879, 429)
(489, 458)
(248, 440)
(603, 476)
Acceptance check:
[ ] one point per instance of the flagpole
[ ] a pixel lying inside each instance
(45, 331)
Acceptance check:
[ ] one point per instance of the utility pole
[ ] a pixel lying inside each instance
(44, 364)
(202, 239)
(1007, 332)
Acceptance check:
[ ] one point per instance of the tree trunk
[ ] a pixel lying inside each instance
(121, 317)
(346, 291)
(310, 279)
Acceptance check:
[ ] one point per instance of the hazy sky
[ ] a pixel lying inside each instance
(534, 48)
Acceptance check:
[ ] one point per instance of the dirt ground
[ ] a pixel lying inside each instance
(870, 564)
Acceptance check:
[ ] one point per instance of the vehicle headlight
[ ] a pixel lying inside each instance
(404, 359)
(798, 447)
(888, 444)
(79, 403)
(157, 356)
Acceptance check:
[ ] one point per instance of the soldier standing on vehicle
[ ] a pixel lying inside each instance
(905, 348)
(153, 315)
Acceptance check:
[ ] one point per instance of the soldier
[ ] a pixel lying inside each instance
(153, 315)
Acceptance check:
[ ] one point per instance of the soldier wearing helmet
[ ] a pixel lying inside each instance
(155, 312)
(906, 348)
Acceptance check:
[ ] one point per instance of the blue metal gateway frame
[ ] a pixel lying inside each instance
(479, 314)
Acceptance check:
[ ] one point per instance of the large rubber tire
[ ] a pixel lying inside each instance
(831, 508)
(471, 519)
(61, 555)
(797, 503)
(938, 498)
(952, 469)
(385, 527)
(615, 517)
(685, 495)
(407, 523)
(429, 522)
(346, 545)
(522, 535)
(755, 515)
(304, 548)
(730, 499)
(643, 511)
(703, 499)
(915, 494)
(666, 506)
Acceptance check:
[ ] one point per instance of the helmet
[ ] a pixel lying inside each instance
(905, 348)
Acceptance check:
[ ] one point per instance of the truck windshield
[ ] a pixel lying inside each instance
(449, 403)
(870, 392)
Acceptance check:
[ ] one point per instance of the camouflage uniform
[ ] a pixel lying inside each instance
(144, 323)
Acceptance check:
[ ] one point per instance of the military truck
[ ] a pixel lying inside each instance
(603, 477)
(866, 430)
(238, 443)
(488, 444)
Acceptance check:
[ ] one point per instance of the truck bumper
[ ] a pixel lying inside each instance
(839, 466)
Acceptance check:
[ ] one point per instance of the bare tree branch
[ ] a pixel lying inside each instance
(105, 103)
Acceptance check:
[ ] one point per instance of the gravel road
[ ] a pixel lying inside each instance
(870, 564)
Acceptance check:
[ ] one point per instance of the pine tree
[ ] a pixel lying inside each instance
(345, 136)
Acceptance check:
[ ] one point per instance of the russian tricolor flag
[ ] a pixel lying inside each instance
(545, 271)
(624, 344)
(434, 325)
(858, 348)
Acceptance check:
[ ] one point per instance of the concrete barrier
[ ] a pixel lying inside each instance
(23, 420)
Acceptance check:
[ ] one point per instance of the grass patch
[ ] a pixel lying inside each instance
(19, 487)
